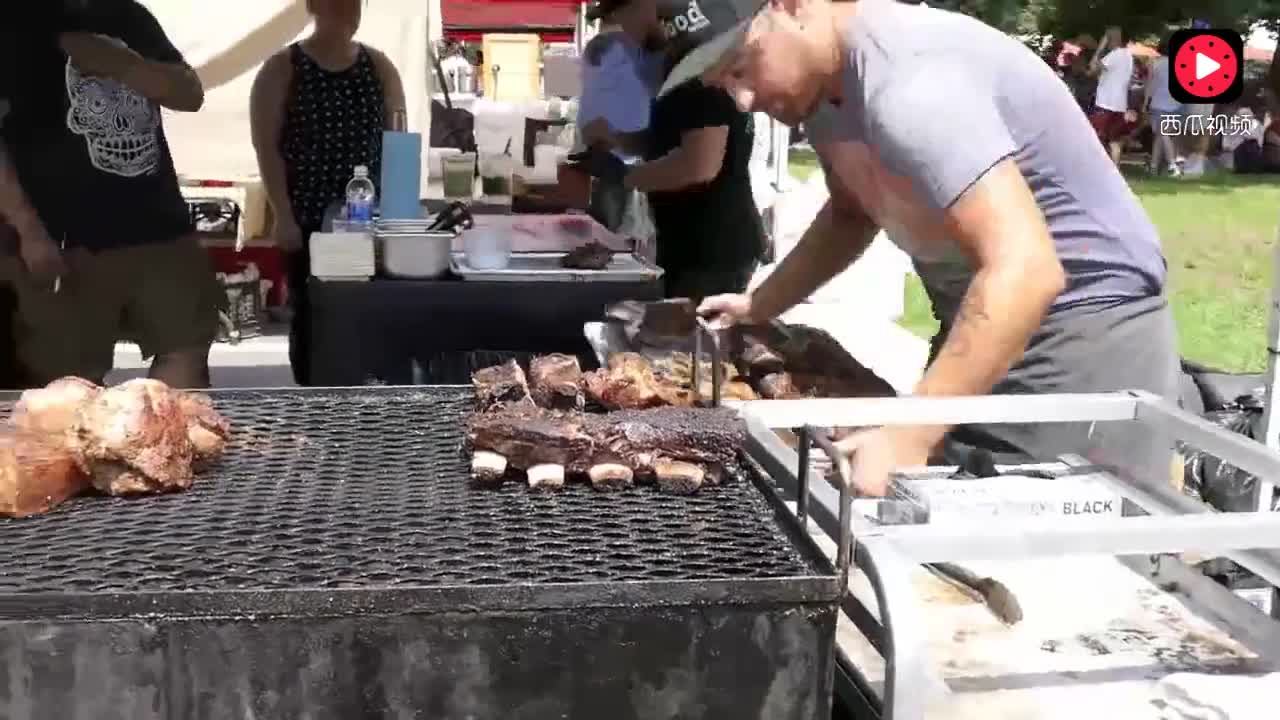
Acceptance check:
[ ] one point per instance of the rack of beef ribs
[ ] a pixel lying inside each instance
(679, 449)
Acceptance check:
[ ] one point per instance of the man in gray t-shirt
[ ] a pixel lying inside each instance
(1044, 270)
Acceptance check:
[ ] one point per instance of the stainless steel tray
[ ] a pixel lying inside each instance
(546, 267)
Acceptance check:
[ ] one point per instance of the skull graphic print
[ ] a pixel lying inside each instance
(119, 126)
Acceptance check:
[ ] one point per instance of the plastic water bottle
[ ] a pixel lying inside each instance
(360, 200)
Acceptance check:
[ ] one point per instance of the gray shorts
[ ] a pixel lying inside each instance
(1130, 346)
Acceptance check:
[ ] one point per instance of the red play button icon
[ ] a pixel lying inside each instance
(1206, 66)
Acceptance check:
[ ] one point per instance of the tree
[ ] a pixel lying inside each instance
(1141, 19)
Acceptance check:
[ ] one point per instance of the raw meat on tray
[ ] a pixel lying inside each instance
(593, 255)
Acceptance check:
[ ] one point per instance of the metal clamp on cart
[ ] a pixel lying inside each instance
(1158, 614)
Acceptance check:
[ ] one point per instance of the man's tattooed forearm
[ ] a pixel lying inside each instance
(972, 318)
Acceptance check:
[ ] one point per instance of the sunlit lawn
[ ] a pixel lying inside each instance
(1218, 234)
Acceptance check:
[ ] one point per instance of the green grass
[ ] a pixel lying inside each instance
(1218, 234)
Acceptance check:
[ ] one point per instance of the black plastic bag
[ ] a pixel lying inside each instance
(1218, 483)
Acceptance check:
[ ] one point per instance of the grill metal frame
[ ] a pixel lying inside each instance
(811, 580)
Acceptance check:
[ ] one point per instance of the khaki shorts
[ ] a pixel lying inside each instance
(164, 296)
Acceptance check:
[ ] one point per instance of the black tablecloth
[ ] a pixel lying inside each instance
(367, 331)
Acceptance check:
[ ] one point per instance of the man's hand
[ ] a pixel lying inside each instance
(876, 454)
(40, 254)
(725, 311)
(98, 54)
(287, 235)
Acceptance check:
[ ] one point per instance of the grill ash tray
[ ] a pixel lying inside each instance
(333, 502)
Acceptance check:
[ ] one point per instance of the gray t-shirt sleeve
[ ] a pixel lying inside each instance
(942, 129)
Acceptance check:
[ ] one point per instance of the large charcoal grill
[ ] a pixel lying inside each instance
(337, 564)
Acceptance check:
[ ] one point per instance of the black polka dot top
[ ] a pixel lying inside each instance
(333, 122)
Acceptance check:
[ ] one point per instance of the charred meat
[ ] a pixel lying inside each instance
(555, 382)
(500, 384)
(779, 386)
(629, 383)
(759, 360)
(681, 448)
(593, 255)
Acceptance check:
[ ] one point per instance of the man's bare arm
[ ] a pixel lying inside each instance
(1001, 229)
(838, 236)
(172, 85)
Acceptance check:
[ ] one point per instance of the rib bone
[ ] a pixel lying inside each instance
(611, 476)
(488, 467)
(547, 476)
(679, 477)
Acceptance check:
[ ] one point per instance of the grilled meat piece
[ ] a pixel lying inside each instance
(613, 450)
(636, 438)
(500, 384)
(593, 255)
(207, 429)
(556, 382)
(628, 383)
(527, 436)
(779, 386)
(37, 472)
(54, 408)
(133, 439)
(760, 361)
(678, 369)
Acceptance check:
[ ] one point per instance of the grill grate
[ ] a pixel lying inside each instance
(365, 489)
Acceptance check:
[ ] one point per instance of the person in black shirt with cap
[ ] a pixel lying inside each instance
(695, 174)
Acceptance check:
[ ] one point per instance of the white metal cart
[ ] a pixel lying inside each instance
(888, 615)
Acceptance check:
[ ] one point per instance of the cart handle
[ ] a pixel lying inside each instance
(844, 549)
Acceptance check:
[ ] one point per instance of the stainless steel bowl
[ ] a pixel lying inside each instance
(414, 253)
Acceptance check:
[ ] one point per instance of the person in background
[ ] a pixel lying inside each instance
(620, 75)
(106, 248)
(1164, 114)
(1042, 267)
(1079, 82)
(1112, 118)
(696, 176)
(318, 109)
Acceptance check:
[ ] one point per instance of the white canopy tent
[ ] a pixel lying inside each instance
(228, 41)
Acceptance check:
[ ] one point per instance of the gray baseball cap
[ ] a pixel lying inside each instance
(711, 28)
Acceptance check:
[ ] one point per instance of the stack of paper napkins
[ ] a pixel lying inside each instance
(342, 256)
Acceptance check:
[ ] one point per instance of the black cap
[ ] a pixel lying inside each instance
(708, 29)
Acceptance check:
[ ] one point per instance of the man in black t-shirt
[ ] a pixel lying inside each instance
(695, 174)
(709, 230)
(106, 250)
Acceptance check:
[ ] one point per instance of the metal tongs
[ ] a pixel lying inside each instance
(703, 327)
(456, 217)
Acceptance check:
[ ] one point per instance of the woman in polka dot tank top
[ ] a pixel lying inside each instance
(318, 109)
